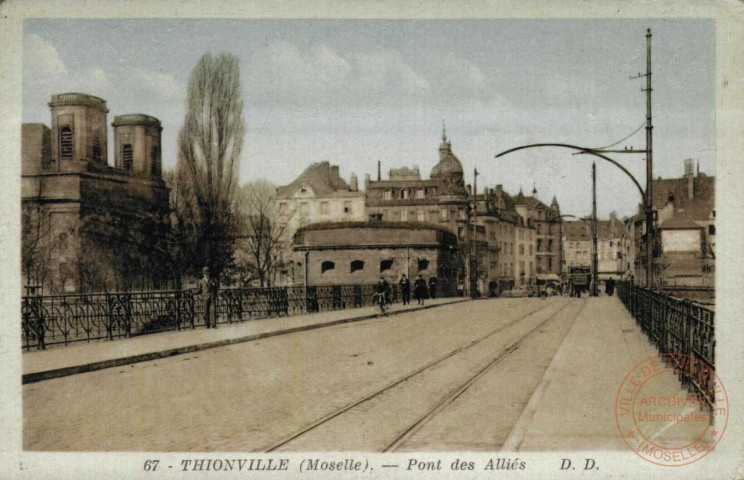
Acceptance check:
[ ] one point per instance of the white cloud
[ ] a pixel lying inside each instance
(42, 59)
(158, 86)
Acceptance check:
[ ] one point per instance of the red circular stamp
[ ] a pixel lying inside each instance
(664, 426)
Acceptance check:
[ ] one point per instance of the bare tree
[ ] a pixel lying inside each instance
(210, 142)
(35, 244)
(259, 253)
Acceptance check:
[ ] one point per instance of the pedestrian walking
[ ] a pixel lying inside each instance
(610, 286)
(205, 291)
(405, 289)
(419, 289)
(382, 291)
(433, 287)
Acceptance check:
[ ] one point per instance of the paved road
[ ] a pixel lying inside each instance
(260, 395)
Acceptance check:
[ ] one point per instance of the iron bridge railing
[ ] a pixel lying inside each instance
(65, 319)
(677, 326)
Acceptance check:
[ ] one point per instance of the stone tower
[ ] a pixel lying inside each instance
(78, 130)
(137, 145)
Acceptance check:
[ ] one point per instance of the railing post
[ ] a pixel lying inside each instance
(178, 310)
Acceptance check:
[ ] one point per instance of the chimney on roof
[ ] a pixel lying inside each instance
(334, 177)
(379, 174)
(366, 181)
(499, 190)
(690, 176)
(353, 183)
(325, 169)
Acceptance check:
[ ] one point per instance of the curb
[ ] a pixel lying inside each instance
(146, 357)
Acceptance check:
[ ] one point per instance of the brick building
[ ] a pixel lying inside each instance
(87, 224)
(362, 252)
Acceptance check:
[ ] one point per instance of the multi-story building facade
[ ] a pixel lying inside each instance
(406, 197)
(442, 200)
(547, 222)
(318, 195)
(88, 225)
(613, 247)
(511, 243)
(685, 239)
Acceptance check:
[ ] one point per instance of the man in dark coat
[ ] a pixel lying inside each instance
(610, 286)
(205, 291)
(419, 289)
(405, 289)
(433, 287)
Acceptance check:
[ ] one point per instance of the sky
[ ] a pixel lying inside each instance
(355, 92)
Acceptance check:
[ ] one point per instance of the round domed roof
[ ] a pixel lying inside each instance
(448, 162)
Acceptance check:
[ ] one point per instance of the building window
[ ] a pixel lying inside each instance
(404, 194)
(550, 263)
(97, 154)
(347, 207)
(357, 265)
(127, 156)
(386, 265)
(444, 213)
(423, 264)
(521, 248)
(550, 245)
(420, 193)
(324, 208)
(65, 142)
(303, 208)
(388, 195)
(711, 230)
(404, 215)
(539, 245)
(421, 216)
(325, 266)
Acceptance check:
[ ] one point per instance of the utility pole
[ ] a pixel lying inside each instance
(649, 171)
(595, 262)
(474, 287)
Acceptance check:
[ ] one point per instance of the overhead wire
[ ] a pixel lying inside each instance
(620, 141)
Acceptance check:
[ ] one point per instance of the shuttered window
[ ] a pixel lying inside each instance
(127, 156)
(65, 140)
(97, 154)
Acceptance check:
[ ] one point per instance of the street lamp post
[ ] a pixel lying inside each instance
(474, 282)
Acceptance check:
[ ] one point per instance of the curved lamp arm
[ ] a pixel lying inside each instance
(581, 149)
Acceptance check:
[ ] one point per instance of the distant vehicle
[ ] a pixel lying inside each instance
(547, 284)
(515, 293)
(578, 280)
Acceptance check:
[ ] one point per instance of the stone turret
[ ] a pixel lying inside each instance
(137, 148)
(78, 130)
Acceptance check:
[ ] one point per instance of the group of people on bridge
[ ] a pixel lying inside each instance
(421, 291)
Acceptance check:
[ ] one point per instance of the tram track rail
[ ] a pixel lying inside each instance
(455, 393)
(449, 398)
